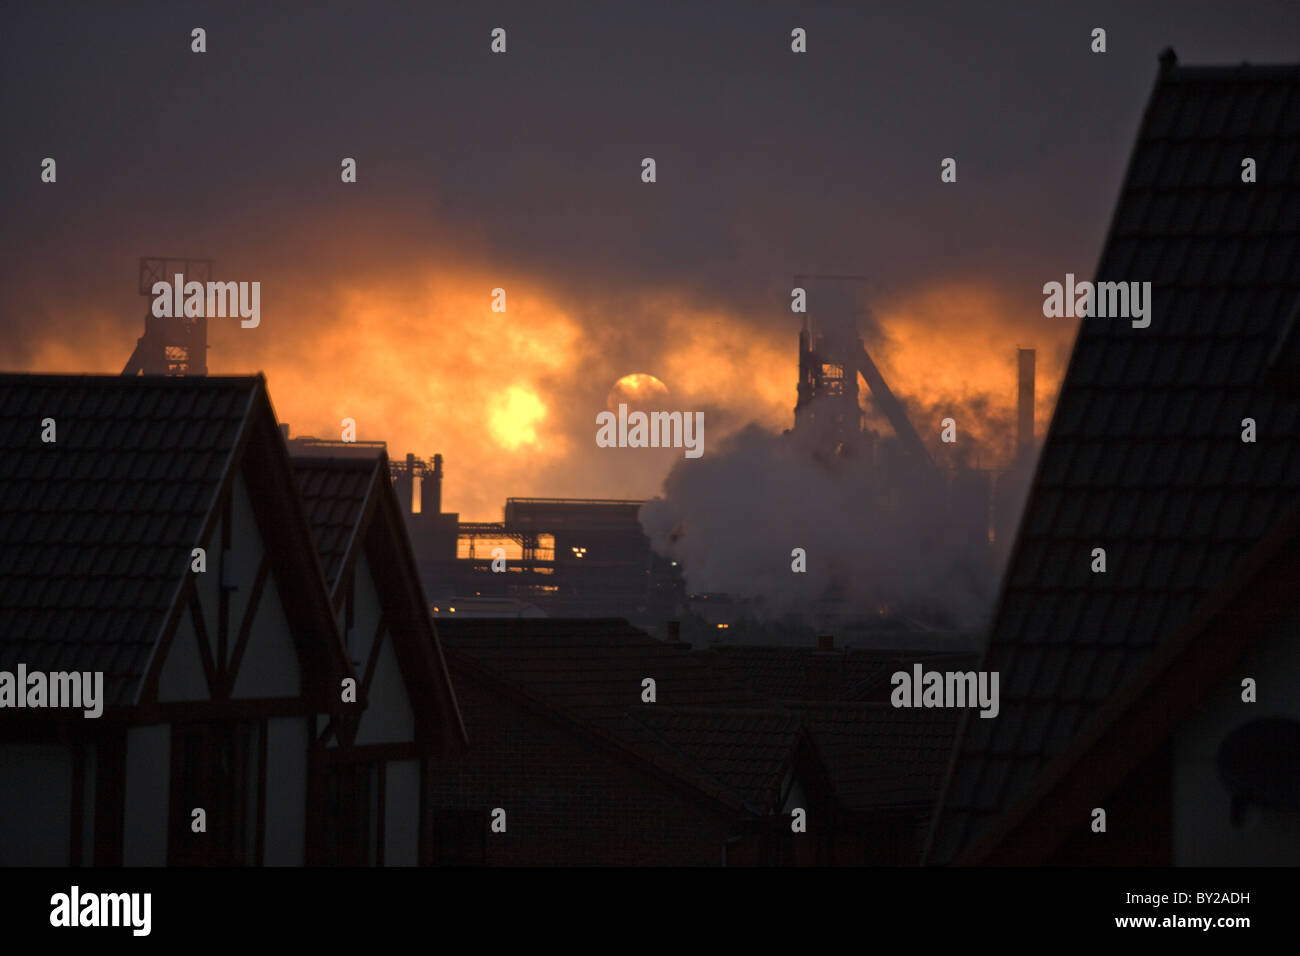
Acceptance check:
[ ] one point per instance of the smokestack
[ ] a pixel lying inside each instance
(674, 632)
(431, 498)
(1025, 415)
(404, 484)
(803, 390)
(410, 483)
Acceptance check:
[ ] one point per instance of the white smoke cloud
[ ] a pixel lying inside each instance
(873, 540)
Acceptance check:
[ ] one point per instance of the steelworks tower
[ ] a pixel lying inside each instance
(827, 414)
(171, 345)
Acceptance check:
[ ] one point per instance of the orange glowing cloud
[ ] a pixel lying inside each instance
(401, 337)
(952, 347)
(101, 344)
(425, 366)
(723, 360)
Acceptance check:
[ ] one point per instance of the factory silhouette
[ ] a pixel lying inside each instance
(586, 558)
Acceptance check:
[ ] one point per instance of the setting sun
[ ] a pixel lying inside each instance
(512, 422)
(637, 390)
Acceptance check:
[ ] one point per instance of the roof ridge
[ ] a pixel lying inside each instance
(125, 381)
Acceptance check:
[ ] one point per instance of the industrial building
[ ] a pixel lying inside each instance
(555, 557)
(571, 557)
(172, 344)
(830, 422)
(565, 557)
(963, 500)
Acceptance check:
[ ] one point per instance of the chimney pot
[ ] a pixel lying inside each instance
(674, 632)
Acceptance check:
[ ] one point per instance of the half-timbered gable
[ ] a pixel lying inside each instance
(159, 539)
(374, 761)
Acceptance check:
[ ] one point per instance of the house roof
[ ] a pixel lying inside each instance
(781, 673)
(579, 663)
(778, 673)
(350, 502)
(334, 493)
(712, 724)
(96, 528)
(879, 755)
(876, 755)
(747, 752)
(1144, 455)
(1185, 672)
(590, 672)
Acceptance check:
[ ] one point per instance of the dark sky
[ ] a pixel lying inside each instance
(522, 170)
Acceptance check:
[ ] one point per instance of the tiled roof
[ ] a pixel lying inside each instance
(709, 725)
(334, 493)
(879, 755)
(746, 751)
(96, 528)
(1144, 455)
(590, 671)
(579, 664)
(776, 673)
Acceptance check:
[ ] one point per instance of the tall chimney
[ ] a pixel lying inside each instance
(403, 483)
(431, 499)
(674, 632)
(410, 484)
(1025, 411)
(803, 390)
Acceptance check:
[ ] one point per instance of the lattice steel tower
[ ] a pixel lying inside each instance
(175, 345)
